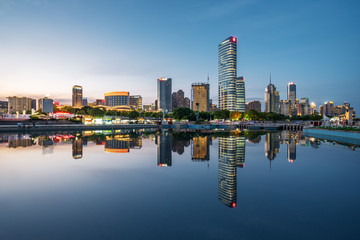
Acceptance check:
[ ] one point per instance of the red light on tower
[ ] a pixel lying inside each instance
(233, 204)
(234, 39)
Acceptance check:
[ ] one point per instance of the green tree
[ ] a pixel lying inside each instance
(97, 112)
(68, 109)
(133, 115)
(222, 114)
(182, 113)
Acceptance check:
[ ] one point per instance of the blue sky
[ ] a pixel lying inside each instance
(47, 46)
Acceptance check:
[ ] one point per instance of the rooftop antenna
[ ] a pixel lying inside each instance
(208, 79)
(270, 78)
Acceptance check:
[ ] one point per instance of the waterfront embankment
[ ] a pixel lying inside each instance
(349, 137)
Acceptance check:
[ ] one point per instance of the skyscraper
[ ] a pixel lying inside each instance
(178, 99)
(164, 98)
(291, 97)
(200, 97)
(227, 74)
(46, 105)
(77, 96)
(240, 94)
(272, 98)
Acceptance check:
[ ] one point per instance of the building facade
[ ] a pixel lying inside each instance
(3, 106)
(272, 99)
(227, 67)
(200, 97)
(136, 102)
(253, 105)
(164, 98)
(115, 99)
(178, 99)
(240, 94)
(100, 102)
(77, 96)
(291, 97)
(19, 104)
(46, 105)
(85, 102)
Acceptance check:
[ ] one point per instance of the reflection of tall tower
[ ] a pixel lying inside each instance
(291, 149)
(200, 148)
(231, 155)
(272, 145)
(117, 144)
(164, 143)
(77, 148)
(240, 152)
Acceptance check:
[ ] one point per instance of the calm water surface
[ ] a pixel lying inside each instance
(279, 185)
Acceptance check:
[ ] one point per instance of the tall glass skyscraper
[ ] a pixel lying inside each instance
(164, 97)
(272, 99)
(291, 95)
(240, 94)
(231, 88)
(77, 96)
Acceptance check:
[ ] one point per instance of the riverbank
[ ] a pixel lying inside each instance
(349, 137)
(73, 127)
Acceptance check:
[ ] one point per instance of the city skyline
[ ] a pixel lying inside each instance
(62, 45)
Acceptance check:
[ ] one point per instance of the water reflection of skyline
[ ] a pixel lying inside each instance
(231, 150)
(231, 156)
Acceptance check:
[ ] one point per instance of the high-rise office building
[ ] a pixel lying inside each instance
(178, 99)
(253, 105)
(164, 98)
(312, 108)
(114, 99)
(46, 105)
(228, 81)
(33, 104)
(284, 107)
(291, 97)
(327, 109)
(272, 99)
(85, 102)
(240, 94)
(77, 96)
(187, 102)
(200, 97)
(19, 104)
(3, 106)
(136, 102)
